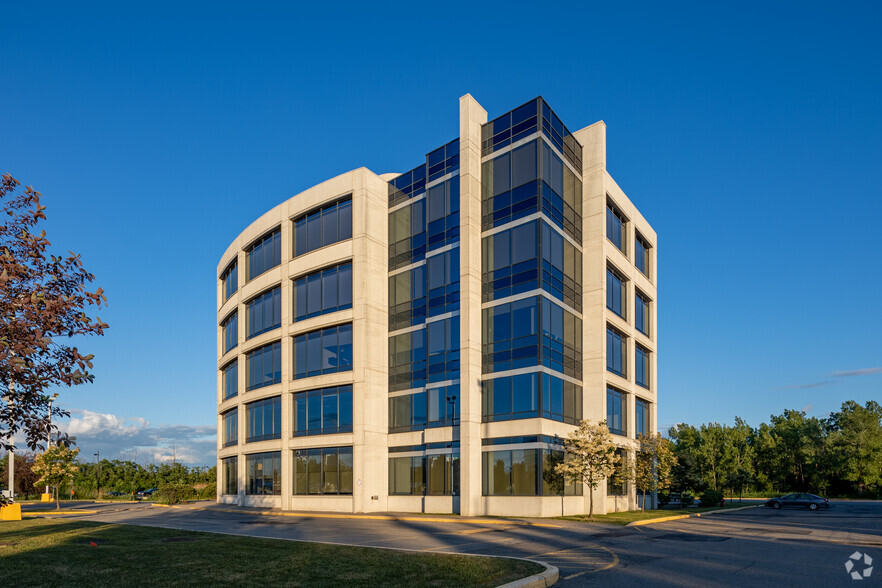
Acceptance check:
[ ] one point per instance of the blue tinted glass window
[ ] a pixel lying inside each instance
(265, 254)
(615, 226)
(523, 243)
(641, 254)
(230, 279)
(231, 380)
(231, 427)
(323, 291)
(263, 419)
(230, 330)
(263, 366)
(615, 351)
(264, 313)
(529, 396)
(641, 313)
(524, 164)
(641, 417)
(322, 227)
(615, 292)
(615, 411)
(323, 351)
(323, 411)
(641, 366)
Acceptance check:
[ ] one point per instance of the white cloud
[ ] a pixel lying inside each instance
(135, 439)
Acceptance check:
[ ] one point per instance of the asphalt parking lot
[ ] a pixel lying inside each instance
(751, 547)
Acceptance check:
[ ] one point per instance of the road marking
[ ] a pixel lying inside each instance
(504, 540)
(608, 566)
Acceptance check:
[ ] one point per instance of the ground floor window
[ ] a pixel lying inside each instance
(230, 475)
(523, 472)
(323, 470)
(435, 474)
(264, 473)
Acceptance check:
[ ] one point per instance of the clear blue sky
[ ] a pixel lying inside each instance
(749, 136)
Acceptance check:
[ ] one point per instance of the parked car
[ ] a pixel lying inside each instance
(798, 500)
(115, 493)
(146, 493)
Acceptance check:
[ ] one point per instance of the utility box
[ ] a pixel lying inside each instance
(46, 497)
(10, 512)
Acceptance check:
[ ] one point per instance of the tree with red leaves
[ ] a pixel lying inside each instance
(44, 301)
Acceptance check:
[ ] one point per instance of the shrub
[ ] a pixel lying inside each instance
(686, 499)
(663, 498)
(174, 493)
(711, 497)
(206, 491)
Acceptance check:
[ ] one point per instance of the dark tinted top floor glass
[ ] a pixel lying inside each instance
(525, 120)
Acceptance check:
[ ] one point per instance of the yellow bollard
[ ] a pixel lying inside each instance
(45, 497)
(10, 512)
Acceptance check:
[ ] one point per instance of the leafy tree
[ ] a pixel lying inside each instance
(591, 457)
(739, 466)
(25, 480)
(43, 302)
(713, 453)
(686, 472)
(856, 437)
(653, 465)
(555, 479)
(55, 466)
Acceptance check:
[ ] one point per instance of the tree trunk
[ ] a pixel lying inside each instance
(57, 502)
(643, 505)
(590, 502)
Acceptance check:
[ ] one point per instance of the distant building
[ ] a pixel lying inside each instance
(422, 341)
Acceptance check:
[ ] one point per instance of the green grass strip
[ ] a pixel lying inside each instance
(44, 552)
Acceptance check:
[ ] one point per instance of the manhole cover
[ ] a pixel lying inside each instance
(692, 538)
(178, 539)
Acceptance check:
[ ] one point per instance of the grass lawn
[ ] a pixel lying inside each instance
(44, 552)
(623, 518)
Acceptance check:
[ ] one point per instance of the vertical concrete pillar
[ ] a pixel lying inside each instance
(471, 117)
(370, 304)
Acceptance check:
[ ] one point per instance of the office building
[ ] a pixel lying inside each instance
(423, 341)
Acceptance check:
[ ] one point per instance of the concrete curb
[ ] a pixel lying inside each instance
(541, 580)
(687, 516)
(41, 513)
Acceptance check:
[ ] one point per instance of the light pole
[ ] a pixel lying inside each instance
(49, 431)
(11, 447)
(98, 479)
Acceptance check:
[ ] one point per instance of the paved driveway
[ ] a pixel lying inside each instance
(753, 547)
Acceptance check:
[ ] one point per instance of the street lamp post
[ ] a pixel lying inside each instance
(98, 479)
(49, 429)
(11, 447)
